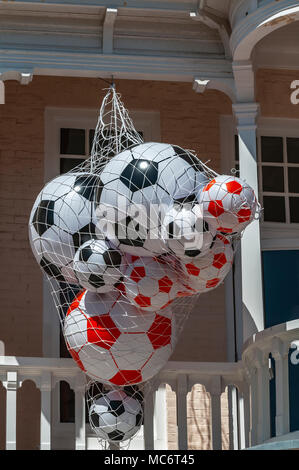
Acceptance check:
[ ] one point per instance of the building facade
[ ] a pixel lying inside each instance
(217, 77)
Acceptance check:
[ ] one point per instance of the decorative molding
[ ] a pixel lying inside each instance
(108, 28)
(22, 77)
(225, 85)
(246, 115)
(250, 25)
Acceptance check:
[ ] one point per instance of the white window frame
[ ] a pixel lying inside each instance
(274, 235)
(75, 118)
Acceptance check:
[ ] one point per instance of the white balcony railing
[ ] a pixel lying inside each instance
(247, 382)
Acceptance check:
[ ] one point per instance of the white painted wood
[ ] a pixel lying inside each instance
(252, 294)
(244, 417)
(263, 426)
(108, 27)
(45, 417)
(160, 419)
(80, 431)
(2, 92)
(280, 351)
(215, 389)
(11, 384)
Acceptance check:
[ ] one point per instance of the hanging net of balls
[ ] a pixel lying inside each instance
(129, 241)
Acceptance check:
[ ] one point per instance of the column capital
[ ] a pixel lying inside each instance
(12, 382)
(246, 115)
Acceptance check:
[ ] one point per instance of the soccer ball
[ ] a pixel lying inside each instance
(207, 272)
(61, 220)
(114, 342)
(146, 178)
(116, 416)
(98, 266)
(186, 233)
(150, 284)
(229, 204)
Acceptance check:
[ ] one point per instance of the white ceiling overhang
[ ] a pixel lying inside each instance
(145, 39)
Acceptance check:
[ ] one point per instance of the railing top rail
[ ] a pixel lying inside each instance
(287, 332)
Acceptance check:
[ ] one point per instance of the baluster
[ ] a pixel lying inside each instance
(149, 422)
(280, 353)
(160, 418)
(244, 416)
(45, 415)
(181, 409)
(80, 412)
(11, 384)
(215, 391)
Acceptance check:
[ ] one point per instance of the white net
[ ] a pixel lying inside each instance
(129, 240)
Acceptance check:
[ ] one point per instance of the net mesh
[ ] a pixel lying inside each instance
(129, 240)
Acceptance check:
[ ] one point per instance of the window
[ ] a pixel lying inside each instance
(279, 178)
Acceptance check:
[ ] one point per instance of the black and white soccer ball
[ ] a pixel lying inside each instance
(185, 232)
(98, 266)
(116, 415)
(147, 178)
(61, 220)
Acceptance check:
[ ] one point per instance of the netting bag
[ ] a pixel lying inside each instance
(129, 240)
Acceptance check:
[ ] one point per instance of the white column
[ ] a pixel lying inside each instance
(160, 419)
(80, 412)
(11, 384)
(215, 391)
(181, 409)
(280, 352)
(252, 294)
(45, 415)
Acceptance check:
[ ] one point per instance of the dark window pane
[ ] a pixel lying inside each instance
(68, 164)
(91, 136)
(293, 180)
(272, 149)
(67, 403)
(294, 210)
(293, 150)
(274, 209)
(103, 141)
(273, 179)
(236, 148)
(72, 141)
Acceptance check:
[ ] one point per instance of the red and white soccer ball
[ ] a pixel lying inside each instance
(206, 273)
(150, 284)
(114, 342)
(229, 204)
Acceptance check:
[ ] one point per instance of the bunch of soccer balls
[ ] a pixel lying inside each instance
(128, 241)
(154, 226)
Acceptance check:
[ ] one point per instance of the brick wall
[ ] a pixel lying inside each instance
(188, 119)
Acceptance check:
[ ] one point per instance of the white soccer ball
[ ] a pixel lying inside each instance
(206, 273)
(185, 232)
(98, 266)
(146, 177)
(61, 220)
(114, 342)
(150, 284)
(116, 416)
(229, 204)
